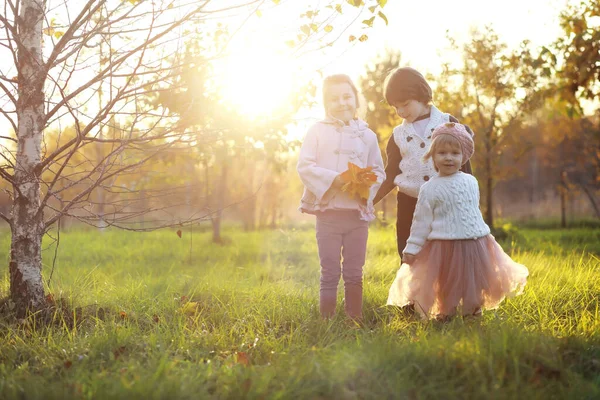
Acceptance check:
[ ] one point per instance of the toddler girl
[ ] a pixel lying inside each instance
(451, 262)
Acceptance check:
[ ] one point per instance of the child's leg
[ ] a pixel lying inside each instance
(354, 251)
(404, 216)
(329, 242)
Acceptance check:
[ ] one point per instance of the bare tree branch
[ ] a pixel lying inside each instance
(5, 218)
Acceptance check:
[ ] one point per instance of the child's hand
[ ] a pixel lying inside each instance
(408, 258)
(338, 182)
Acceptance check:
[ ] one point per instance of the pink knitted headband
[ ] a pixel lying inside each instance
(460, 133)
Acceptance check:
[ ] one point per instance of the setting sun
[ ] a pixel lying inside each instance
(256, 82)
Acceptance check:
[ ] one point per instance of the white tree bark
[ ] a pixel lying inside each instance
(26, 285)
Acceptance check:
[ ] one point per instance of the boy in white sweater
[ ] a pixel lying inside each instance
(408, 92)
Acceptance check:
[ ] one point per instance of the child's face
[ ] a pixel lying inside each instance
(340, 101)
(410, 109)
(447, 159)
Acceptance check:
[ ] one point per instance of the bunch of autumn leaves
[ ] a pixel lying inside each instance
(358, 181)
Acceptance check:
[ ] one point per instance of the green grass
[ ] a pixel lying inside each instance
(156, 321)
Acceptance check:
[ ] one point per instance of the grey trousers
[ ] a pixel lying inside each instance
(341, 235)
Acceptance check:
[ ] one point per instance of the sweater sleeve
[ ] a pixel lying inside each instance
(467, 167)
(374, 160)
(392, 169)
(421, 224)
(316, 179)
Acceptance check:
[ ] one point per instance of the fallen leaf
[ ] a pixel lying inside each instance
(118, 352)
(242, 358)
(123, 315)
(179, 233)
(155, 318)
(68, 364)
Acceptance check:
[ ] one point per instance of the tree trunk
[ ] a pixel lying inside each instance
(250, 214)
(221, 190)
(489, 188)
(26, 285)
(592, 199)
(563, 199)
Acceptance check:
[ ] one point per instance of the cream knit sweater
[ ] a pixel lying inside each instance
(447, 209)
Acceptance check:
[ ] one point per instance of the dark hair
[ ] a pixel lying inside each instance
(404, 84)
(337, 79)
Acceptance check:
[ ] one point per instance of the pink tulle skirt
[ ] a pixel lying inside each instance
(457, 276)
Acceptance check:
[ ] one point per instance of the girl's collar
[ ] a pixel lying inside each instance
(355, 123)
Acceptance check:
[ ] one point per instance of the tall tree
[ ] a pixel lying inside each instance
(492, 91)
(53, 76)
(575, 66)
(576, 54)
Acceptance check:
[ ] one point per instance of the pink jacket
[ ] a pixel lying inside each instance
(328, 147)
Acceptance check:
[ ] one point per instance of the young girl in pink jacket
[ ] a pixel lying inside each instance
(342, 220)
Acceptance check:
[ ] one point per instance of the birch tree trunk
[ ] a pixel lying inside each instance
(26, 285)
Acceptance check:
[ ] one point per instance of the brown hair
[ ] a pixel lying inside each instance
(404, 84)
(440, 141)
(337, 79)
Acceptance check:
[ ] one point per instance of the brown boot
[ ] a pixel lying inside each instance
(327, 304)
(353, 301)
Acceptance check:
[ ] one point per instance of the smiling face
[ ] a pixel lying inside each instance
(447, 155)
(410, 110)
(340, 101)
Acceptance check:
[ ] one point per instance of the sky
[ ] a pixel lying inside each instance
(416, 28)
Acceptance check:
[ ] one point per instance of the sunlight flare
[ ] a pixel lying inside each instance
(257, 83)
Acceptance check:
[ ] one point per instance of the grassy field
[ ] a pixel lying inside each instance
(153, 316)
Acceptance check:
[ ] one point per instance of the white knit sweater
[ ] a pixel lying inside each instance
(447, 209)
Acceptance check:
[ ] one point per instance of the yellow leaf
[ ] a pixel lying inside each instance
(369, 22)
(328, 28)
(358, 181)
(363, 38)
(190, 308)
(48, 31)
(351, 38)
